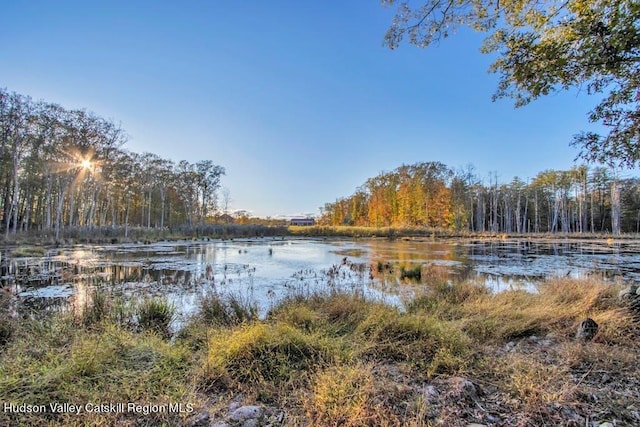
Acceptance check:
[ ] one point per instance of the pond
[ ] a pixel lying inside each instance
(265, 270)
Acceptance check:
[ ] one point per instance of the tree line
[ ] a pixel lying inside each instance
(430, 194)
(63, 168)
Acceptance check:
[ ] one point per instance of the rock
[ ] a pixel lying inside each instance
(245, 413)
(476, 425)
(607, 424)
(509, 346)
(491, 418)
(430, 392)
(542, 342)
(587, 330)
(202, 419)
(571, 414)
(628, 292)
(462, 388)
(631, 296)
(252, 422)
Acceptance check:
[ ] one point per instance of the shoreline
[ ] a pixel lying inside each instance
(230, 232)
(458, 355)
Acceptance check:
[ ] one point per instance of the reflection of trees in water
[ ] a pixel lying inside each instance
(39, 307)
(497, 263)
(27, 274)
(505, 264)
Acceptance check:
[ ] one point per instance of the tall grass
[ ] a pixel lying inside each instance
(138, 234)
(78, 366)
(7, 322)
(231, 309)
(424, 341)
(156, 315)
(98, 310)
(345, 395)
(334, 358)
(28, 251)
(272, 359)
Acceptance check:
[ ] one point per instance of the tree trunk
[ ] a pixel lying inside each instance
(524, 217)
(16, 189)
(149, 211)
(163, 196)
(615, 208)
(61, 194)
(48, 203)
(126, 220)
(72, 206)
(536, 226)
(518, 217)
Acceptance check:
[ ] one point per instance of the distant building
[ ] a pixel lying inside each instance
(226, 219)
(303, 221)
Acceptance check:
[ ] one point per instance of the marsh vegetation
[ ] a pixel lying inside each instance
(317, 332)
(457, 354)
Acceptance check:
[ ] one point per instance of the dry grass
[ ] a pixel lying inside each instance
(63, 364)
(274, 359)
(335, 313)
(427, 343)
(338, 358)
(558, 307)
(344, 396)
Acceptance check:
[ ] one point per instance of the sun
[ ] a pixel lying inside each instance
(86, 164)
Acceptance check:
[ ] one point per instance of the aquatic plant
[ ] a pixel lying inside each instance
(411, 273)
(155, 314)
(226, 309)
(28, 251)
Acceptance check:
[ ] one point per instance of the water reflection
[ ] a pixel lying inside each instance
(268, 269)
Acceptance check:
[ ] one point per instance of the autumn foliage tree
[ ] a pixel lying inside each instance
(431, 195)
(62, 168)
(547, 46)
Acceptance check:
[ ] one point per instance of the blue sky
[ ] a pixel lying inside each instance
(298, 100)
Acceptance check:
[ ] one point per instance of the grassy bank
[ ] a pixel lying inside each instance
(143, 235)
(231, 231)
(438, 233)
(456, 355)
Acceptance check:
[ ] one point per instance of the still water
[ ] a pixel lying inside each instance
(268, 269)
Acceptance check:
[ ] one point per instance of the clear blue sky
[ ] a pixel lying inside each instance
(298, 100)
